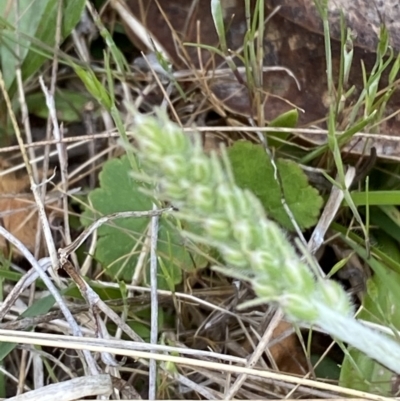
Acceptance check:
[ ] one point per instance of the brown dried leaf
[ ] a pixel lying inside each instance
(18, 212)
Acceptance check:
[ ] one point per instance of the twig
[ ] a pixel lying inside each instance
(394, 140)
(46, 150)
(86, 265)
(62, 154)
(166, 98)
(190, 384)
(53, 290)
(154, 304)
(95, 302)
(22, 102)
(66, 251)
(24, 282)
(262, 345)
(52, 358)
(34, 187)
(141, 260)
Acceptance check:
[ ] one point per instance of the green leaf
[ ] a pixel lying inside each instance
(387, 222)
(39, 307)
(381, 306)
(38, 20)
(253, 170)
(326, 369)
(217, 15)
(360, 198)
(121, 241)
(69, 105)
(94, 86)
(285, 120)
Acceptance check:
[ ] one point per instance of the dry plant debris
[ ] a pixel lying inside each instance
(293, 42)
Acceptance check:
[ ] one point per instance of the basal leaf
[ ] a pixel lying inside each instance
(253, 170)
(121, 241)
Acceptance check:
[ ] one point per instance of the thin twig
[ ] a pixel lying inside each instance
(62, 156)
(95, 302)
(66, 251)
(34, 187)
(54, 69)
(22, 100)
(53, 290)
(140, 264)
(256, 355)
(390, 141)
(154, 303)
(24, 282)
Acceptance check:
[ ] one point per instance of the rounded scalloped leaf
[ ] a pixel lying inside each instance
(253, 170)
(121, 241)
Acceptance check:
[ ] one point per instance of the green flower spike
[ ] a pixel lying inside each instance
(253, 247)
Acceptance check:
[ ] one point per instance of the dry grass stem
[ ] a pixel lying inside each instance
(256, 355)
(122, 348)
(154, 302)
(34, 187)
(78, 388)
(331, 208)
